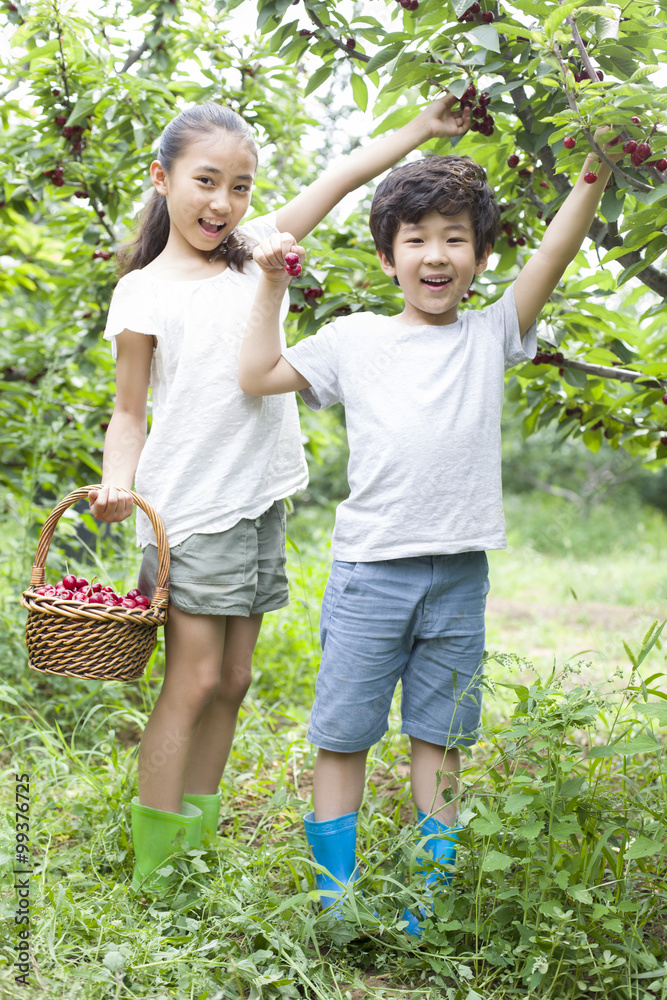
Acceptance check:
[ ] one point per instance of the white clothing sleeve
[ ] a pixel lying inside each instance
(317, 358)
(517, 349)
(132, 307)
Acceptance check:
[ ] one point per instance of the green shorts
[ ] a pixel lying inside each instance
(240, 571)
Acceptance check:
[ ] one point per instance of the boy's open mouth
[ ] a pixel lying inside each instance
(436, 282)
(210, 226)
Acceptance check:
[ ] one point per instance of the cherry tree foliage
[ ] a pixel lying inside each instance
(540, 77)
(86, 93)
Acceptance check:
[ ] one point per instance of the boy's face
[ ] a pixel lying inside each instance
(435, 263)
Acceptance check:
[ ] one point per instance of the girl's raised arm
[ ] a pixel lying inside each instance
(126, 433)
(439, 120)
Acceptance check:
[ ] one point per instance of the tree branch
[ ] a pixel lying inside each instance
(17, 82)
(603, 371)
(136, 55)
(653, 277)
(361, 56)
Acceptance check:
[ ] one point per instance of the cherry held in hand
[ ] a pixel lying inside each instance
(292, 265)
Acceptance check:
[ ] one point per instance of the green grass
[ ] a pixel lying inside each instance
(561, 883)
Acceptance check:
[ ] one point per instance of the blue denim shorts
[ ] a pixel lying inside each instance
(418, 620)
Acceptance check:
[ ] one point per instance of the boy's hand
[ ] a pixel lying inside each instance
(445, 117)
(270, 256)
(110, 503)
(609, 144)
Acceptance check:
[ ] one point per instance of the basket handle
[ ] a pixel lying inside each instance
(160, 597)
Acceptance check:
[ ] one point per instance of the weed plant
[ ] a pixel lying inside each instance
(560, 886)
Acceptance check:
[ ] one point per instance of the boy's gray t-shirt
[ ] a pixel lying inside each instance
(422, 408)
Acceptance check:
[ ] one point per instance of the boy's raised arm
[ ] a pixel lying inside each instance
(263, 371)
(561, 242)
(440, 119)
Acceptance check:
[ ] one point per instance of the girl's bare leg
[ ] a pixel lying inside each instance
(213, 739)
(194, 653)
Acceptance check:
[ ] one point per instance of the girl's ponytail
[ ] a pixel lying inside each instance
(153, 222)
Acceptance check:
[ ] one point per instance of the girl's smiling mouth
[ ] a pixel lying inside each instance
(211, 227)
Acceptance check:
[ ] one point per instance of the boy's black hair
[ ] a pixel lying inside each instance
(445, 184)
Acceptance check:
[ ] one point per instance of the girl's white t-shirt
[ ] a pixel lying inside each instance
(214, 455)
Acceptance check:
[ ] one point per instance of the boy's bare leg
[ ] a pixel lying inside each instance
(433, 770)
(338, 783)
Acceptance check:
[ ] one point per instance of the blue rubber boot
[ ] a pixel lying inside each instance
(333, 844)
(441, 845)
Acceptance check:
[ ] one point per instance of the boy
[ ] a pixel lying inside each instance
(423, 396)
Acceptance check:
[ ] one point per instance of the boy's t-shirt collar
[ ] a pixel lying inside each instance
(454, 327)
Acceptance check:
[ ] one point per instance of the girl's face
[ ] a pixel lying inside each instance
(207, 191)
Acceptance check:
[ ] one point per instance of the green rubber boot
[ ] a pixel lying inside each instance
(153, 834)
(210, 808)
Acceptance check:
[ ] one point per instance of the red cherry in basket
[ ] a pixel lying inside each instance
(135, 592)
(69, 582)
(143, 602)
(127, 602)
(96, 587)
(81, 582)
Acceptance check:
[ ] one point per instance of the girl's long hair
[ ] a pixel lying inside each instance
(153, 222)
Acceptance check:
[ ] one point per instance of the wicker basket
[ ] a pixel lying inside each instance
(74, 639)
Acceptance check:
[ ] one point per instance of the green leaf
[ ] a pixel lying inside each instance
(580, 893)
(359, 91)
(611, 205)
(496, 862)
(82, 108)
(606, 27)
(485, 35)
(529, 831)
(654, 710)
(575, 378)
(44, 51)
(642, 847)
(382, 57)
(558, 15)
(487, 825)
(638, 744)
(318, 78)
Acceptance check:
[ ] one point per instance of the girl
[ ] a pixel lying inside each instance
(217, 463)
